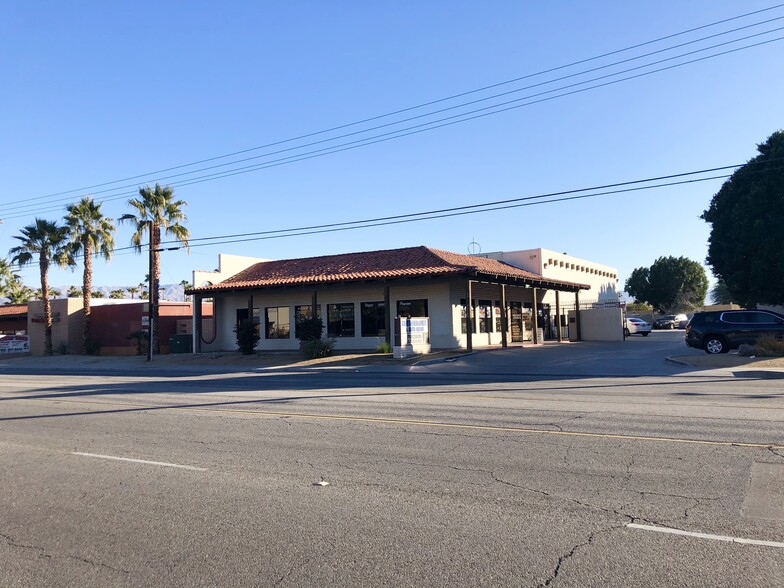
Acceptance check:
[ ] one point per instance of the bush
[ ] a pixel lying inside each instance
(383, 347)
(768, 347)
(92, 347)
(315, 348)
(62, 349)
(247, 337)
(142, 341)
(310, 329)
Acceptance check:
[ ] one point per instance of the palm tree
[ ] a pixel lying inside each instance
(19, 294)
(49, 242)
(74, 292)
(133, 291)
(156, 210)
(91, 233)
(9, 278)
(97, 294)
(117, 294)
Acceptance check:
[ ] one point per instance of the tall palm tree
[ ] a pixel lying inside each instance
(19, 294)
(91, 233)
(156, 210)
(117, 294)
(133, 291)
(49, 242)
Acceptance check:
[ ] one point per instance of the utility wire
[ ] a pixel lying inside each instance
(462, 117)
(441, 100)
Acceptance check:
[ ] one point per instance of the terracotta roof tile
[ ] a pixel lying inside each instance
(13, 309)
(369, 265)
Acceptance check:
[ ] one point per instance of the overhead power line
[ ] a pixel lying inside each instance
(426, 104)
(455, 119)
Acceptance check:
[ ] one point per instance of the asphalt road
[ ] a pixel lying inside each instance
(460, 473)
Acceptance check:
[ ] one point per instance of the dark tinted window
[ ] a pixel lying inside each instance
(737, 317)
(766, 318)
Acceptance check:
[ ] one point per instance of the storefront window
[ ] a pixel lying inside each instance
(373, 319)
(340, 320)
(277, 322)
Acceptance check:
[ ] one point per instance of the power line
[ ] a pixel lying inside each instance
(454, 119)
(441, 100)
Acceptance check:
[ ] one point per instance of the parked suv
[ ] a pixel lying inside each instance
(671, 321)
(720, 331)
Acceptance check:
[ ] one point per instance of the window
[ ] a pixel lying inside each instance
(303, 312)
(277, 322)
(340, 320)
(485, 314)
(373, 319)
(242, 315)
(412, 307)
(497, 315)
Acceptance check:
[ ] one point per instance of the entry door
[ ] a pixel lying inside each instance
(516, 321)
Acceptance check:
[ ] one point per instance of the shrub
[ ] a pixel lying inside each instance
(769, 346)
(315, 348)
(92, 347)
(383, 347)
(310, 329)
(62, 349)
(247, 337)
(142, 340)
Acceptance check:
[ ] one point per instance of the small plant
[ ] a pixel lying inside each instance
(768, 346)
(142, 340)
(62, 349)
(92, 347)
(315, 348)
(309, 329)
(383, 347)
(247, 337)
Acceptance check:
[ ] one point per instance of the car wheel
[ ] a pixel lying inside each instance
(715, 344)
(671, 326)
(626, 332)
(644, 334)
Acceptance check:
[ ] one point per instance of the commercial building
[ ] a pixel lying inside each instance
(467, 301)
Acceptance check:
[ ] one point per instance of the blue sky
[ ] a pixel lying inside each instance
(96, 92)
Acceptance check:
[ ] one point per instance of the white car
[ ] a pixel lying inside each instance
(636, 326)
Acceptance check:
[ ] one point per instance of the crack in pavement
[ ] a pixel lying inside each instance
(11, 542)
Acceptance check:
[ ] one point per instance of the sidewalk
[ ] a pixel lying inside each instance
(209, 363)
(733, 364)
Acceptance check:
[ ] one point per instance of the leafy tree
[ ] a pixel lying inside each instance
(117, 294)
(74, 292)
(47, 241)
(747, 228)
(671, 284)
(720, 294)
(638, 307)
(91, 233)
(156, 210)
(97, 294)
(133, 291)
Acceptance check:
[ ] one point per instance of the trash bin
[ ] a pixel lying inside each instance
(181, 344)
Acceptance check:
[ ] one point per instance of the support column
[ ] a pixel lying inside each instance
(197, 318)
(469, 319)
(535, 319)
(504, 318)
(387, 316)
(558, 314)
(314, 305)
(577, 314)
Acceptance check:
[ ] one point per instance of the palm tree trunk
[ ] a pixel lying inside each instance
(44, 265)
(87, 289)
(154, 280)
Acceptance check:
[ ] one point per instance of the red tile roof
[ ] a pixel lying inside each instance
(13, 309)
(374, 265)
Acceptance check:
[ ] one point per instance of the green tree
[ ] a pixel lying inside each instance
(48, 242)
(91, 233)
(9, 277)
(671, 284)
(19, 294)
(720, 294)
(117, 294)
(97, 294)
(747, 228)
(156, 210)
(133, 291)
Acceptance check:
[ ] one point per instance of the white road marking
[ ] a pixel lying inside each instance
(158, 463)
(707, 536)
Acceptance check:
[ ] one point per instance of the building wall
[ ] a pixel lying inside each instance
(228, 266)
(548, 263)
(67, 316)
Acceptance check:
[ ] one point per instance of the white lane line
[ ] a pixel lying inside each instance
(725, 538)
(158, 463)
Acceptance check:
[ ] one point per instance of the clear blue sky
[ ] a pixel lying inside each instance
(94, 92)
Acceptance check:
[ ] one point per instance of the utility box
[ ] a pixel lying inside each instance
(181, 344)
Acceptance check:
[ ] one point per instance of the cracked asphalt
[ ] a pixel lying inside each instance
(435, 478)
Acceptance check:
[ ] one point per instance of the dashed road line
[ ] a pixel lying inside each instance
(144, 461)
(708, 536)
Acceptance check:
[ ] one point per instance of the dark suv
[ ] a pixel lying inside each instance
(721, 330)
